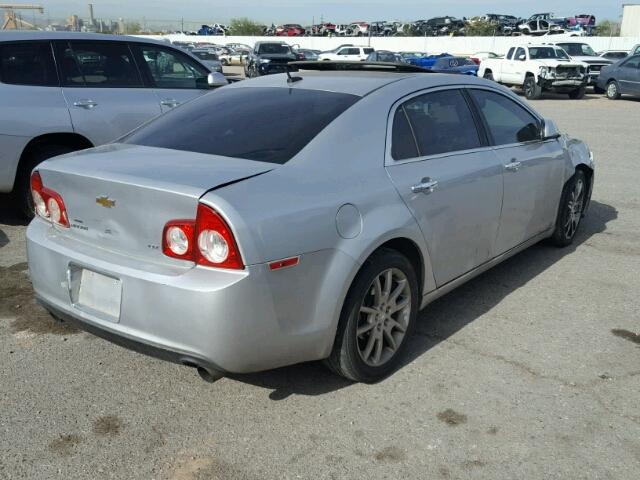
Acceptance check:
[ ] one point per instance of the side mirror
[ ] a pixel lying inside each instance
(216, 79)
(522, 57)
(550, 130)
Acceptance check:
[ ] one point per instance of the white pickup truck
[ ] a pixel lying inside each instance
(537, 68)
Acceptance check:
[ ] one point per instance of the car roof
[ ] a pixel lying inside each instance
(23, 35)
(359, 83)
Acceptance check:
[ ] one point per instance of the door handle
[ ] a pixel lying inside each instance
(85, 103)
(513, 166)
(169, 102)
(425, 186)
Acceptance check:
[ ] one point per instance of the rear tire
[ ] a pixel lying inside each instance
(373, 322)
(22, 188)
(570, 210)
(532, 90)
(577, 94)
(613, 90)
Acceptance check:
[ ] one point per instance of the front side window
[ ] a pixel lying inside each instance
(97, 64)
(507, 121)
(521, 54)
(441, 122)
(239, 123)
(29, 63)
(171, 69)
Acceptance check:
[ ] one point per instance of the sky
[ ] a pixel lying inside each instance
(303, 11)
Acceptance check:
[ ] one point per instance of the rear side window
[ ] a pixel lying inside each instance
(264, 124)
(29, 63)
(441, 122)
(97, 64)
(507, 121)
(403, 143)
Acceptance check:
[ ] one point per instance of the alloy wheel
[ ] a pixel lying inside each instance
(383, 317)
(574, 206)
(612, 90)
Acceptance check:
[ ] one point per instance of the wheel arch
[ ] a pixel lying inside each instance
(73, 140)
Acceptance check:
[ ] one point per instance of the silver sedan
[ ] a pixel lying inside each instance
(282, 220)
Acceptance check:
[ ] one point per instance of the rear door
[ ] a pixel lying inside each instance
(176, 77)
(103, 89)
(448, 177)
(533, 168)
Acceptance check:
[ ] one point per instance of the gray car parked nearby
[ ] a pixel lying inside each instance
(621, 78)
(69, 91)
(242, 241)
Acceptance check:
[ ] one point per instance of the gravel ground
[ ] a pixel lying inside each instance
(531, 370)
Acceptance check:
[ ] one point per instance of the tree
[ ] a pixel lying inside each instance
(480, 28)
(607, 28)
(245, 26)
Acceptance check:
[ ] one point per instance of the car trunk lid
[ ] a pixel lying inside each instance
(119, 197)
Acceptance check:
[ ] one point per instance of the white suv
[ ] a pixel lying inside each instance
(349, 53)
(63, 92)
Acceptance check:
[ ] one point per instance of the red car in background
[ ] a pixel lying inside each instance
(289, 30)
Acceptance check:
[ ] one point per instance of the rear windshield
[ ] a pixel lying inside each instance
(264, 124)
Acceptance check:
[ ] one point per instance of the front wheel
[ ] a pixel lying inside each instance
(532, 90)
(377, 317)
(577, 94)
(570, 210)
(613, 90)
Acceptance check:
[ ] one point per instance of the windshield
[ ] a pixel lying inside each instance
(274, 49)
(542, 53)
(206, 55)
(578, 49)
(264, 124)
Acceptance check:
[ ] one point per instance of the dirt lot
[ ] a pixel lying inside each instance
(530, 371)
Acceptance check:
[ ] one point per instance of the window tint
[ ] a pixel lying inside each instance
(519, 51)
(367, 51)
(508, 122)
(403, 144)
(510, 53)
(274, 49)
(171, 69)
(205, 55)
(239, 122)
(633, 62)
(97, 64)
(442, 122)
(27, 64)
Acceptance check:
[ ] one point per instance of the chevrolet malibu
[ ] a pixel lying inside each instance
(231, 240)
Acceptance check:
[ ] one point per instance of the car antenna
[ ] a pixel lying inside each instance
(291, 79)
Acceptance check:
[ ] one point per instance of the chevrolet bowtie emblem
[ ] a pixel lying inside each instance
(105, 201)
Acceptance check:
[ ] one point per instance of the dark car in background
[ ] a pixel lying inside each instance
(385, 56)
(621, 78)
(267, 58)
(462, 65)
(426, 61)
(306, 54)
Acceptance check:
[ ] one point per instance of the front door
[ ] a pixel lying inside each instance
(176, 77)
(629, 76)
(450, 180)
(103, 89)
(533, 168)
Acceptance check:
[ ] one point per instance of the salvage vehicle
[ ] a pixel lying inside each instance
(461, 65)
(426, 61)
(208, 58)
(259, 247)
(358, 29)
(234, 57)
(539, 28)
(289, 30)
(582, 52)
(347, 53)
(614, 55)
(479, 56)
(268, 58)
(384, 56)
(69, 91)
(538, 68)
(306, 54)
(621, 78)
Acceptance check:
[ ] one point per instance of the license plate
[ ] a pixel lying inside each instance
(95, 293)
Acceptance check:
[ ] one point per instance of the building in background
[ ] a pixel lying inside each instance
(630, 20)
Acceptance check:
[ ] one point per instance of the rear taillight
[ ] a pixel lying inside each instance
(47, 203)
(207, 240)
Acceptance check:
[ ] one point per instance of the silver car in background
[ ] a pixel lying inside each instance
(63, 92)
(232, 235)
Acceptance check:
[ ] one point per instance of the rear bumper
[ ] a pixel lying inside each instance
(223, 320)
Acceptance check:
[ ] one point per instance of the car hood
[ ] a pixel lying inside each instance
(556, 63)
